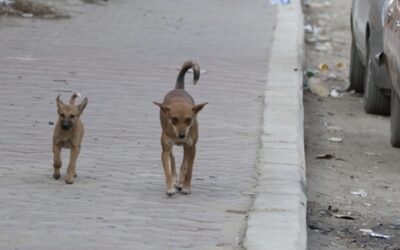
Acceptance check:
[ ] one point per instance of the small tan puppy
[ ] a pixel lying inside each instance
(178, 116)
(68, 133)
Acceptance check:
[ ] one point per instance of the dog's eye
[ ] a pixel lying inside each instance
(72, 116)
(188, 121)
(174, 120)
(62, 115)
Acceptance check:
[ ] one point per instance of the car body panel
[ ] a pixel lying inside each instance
(391, 36)
(367, 25)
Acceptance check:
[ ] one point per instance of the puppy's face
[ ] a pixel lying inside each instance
(68, 115)
(180, 117)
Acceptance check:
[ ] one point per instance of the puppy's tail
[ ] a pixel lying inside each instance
(180, 81)
(73, 97)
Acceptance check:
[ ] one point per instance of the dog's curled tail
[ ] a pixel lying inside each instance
(73, 97)
(180, 81)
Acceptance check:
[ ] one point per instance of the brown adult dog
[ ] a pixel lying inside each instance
(68, 133)
(178, 116)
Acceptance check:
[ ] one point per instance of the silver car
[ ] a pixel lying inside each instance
(366, 74)
(391, 59)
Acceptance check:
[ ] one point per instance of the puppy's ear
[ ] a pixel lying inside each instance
(163, 108)
(82, 105)
(59, 102)
(198, 107)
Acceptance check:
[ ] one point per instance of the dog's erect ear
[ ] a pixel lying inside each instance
(59, 102)
(163, 108)
(82, 105)
(198, 107)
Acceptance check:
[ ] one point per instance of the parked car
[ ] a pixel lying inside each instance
(391, 59)
(366, 75)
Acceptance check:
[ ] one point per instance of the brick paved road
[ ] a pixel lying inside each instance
(123, 55)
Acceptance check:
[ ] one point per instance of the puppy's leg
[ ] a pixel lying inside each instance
(182, 173)
(71, 172)
(173, 168)
(167, 170)
(57, 161)
(190, 153)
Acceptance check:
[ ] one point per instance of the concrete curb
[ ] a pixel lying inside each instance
(277, 219)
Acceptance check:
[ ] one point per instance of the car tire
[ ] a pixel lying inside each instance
(356, 70)
(395, 120)
(375, 100)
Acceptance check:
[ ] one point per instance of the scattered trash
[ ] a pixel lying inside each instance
(283, 2)
(333, 209)
(335, 139)
(344, 217)
(315, 5)
(28, 8)
(317, 87)
(27, 15)
(334, 128)
(308, 28)
(366, 231)
(360, 193)
(372, 154)
(340, 66)
(328, 157)
(323, 67)
(323, 47)
(378, 235)
(310, 73)
(335, 93)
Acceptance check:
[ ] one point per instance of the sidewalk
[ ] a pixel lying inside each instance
(123, 55)
(278, 217)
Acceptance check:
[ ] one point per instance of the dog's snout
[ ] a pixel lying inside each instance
(66, 125)
(181, 135)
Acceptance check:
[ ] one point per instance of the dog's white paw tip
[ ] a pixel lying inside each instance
(170, 193)
(69, 181)
(185, 191)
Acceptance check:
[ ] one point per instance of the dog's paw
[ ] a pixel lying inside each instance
(178, 187)
(69, 181)
(171, 193)
(56, 176)
(185, 191)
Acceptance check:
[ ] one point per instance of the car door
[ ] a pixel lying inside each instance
(392, 41)
(359, 18)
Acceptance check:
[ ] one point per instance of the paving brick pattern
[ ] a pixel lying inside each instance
(123, 55)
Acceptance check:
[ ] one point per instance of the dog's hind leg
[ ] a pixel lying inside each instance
(190, 153)
(57, 161)
(71, 170)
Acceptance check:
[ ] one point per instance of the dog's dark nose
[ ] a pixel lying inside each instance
(181, 136)
(66, 125)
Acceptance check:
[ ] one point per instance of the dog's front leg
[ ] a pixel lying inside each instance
(166, 153)
(189, 155)
(182, 173)
(71, 170)
(57, 160)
